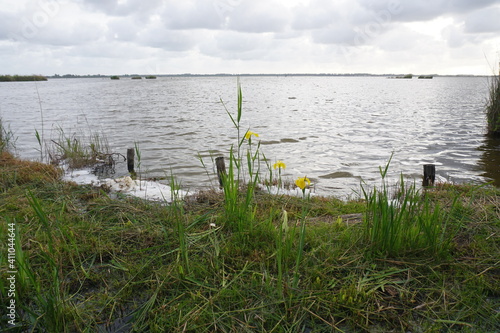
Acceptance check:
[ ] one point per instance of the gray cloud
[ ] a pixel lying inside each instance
(317, 14)
(158, 36)
(191, 14)
(9, 25)
(345, 23)
(410, 10)
(486, 20)
(234, 45)
(258, 16)
(139, 8)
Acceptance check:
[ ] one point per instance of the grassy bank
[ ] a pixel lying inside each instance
(88, 262)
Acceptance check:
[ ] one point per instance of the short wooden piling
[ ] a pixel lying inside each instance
(221, 170)
(130, 160)
(429, 175)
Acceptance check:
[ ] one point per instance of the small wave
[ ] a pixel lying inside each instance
(187, 133)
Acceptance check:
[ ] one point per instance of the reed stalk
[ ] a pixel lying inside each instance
(176, 209)
(493, 107)
(40, 137)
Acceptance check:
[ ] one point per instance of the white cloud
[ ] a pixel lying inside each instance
(337, 34)
(122, 29)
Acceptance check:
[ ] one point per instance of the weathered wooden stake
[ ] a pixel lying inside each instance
(429, 175)
(130, 160)
(221, 170)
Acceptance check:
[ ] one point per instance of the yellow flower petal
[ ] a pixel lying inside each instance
(301, 182)
(279, 165)
(249, 134)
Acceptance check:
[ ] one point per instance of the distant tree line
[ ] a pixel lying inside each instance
(8, 78)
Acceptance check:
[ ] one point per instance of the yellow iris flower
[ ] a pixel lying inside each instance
(279, 165)
(302, 182)
(249, 134)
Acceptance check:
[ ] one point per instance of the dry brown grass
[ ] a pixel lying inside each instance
(23, 172)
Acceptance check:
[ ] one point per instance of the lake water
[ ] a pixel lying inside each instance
(336, 131)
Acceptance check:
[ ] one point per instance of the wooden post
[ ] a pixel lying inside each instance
(130, 160)
(221, 170)
(429, 175)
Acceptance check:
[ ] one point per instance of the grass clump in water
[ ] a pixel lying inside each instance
(80, 151)
(7, 139)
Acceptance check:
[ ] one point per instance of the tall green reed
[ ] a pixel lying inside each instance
(39, 140)
(178, 215)
(493, 107)
(40, 137)
(239, 184)
(239, 206)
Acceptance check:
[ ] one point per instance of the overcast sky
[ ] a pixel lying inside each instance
(249, 36)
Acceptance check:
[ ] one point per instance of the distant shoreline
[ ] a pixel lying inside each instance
(13, 78)
(67, 76)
